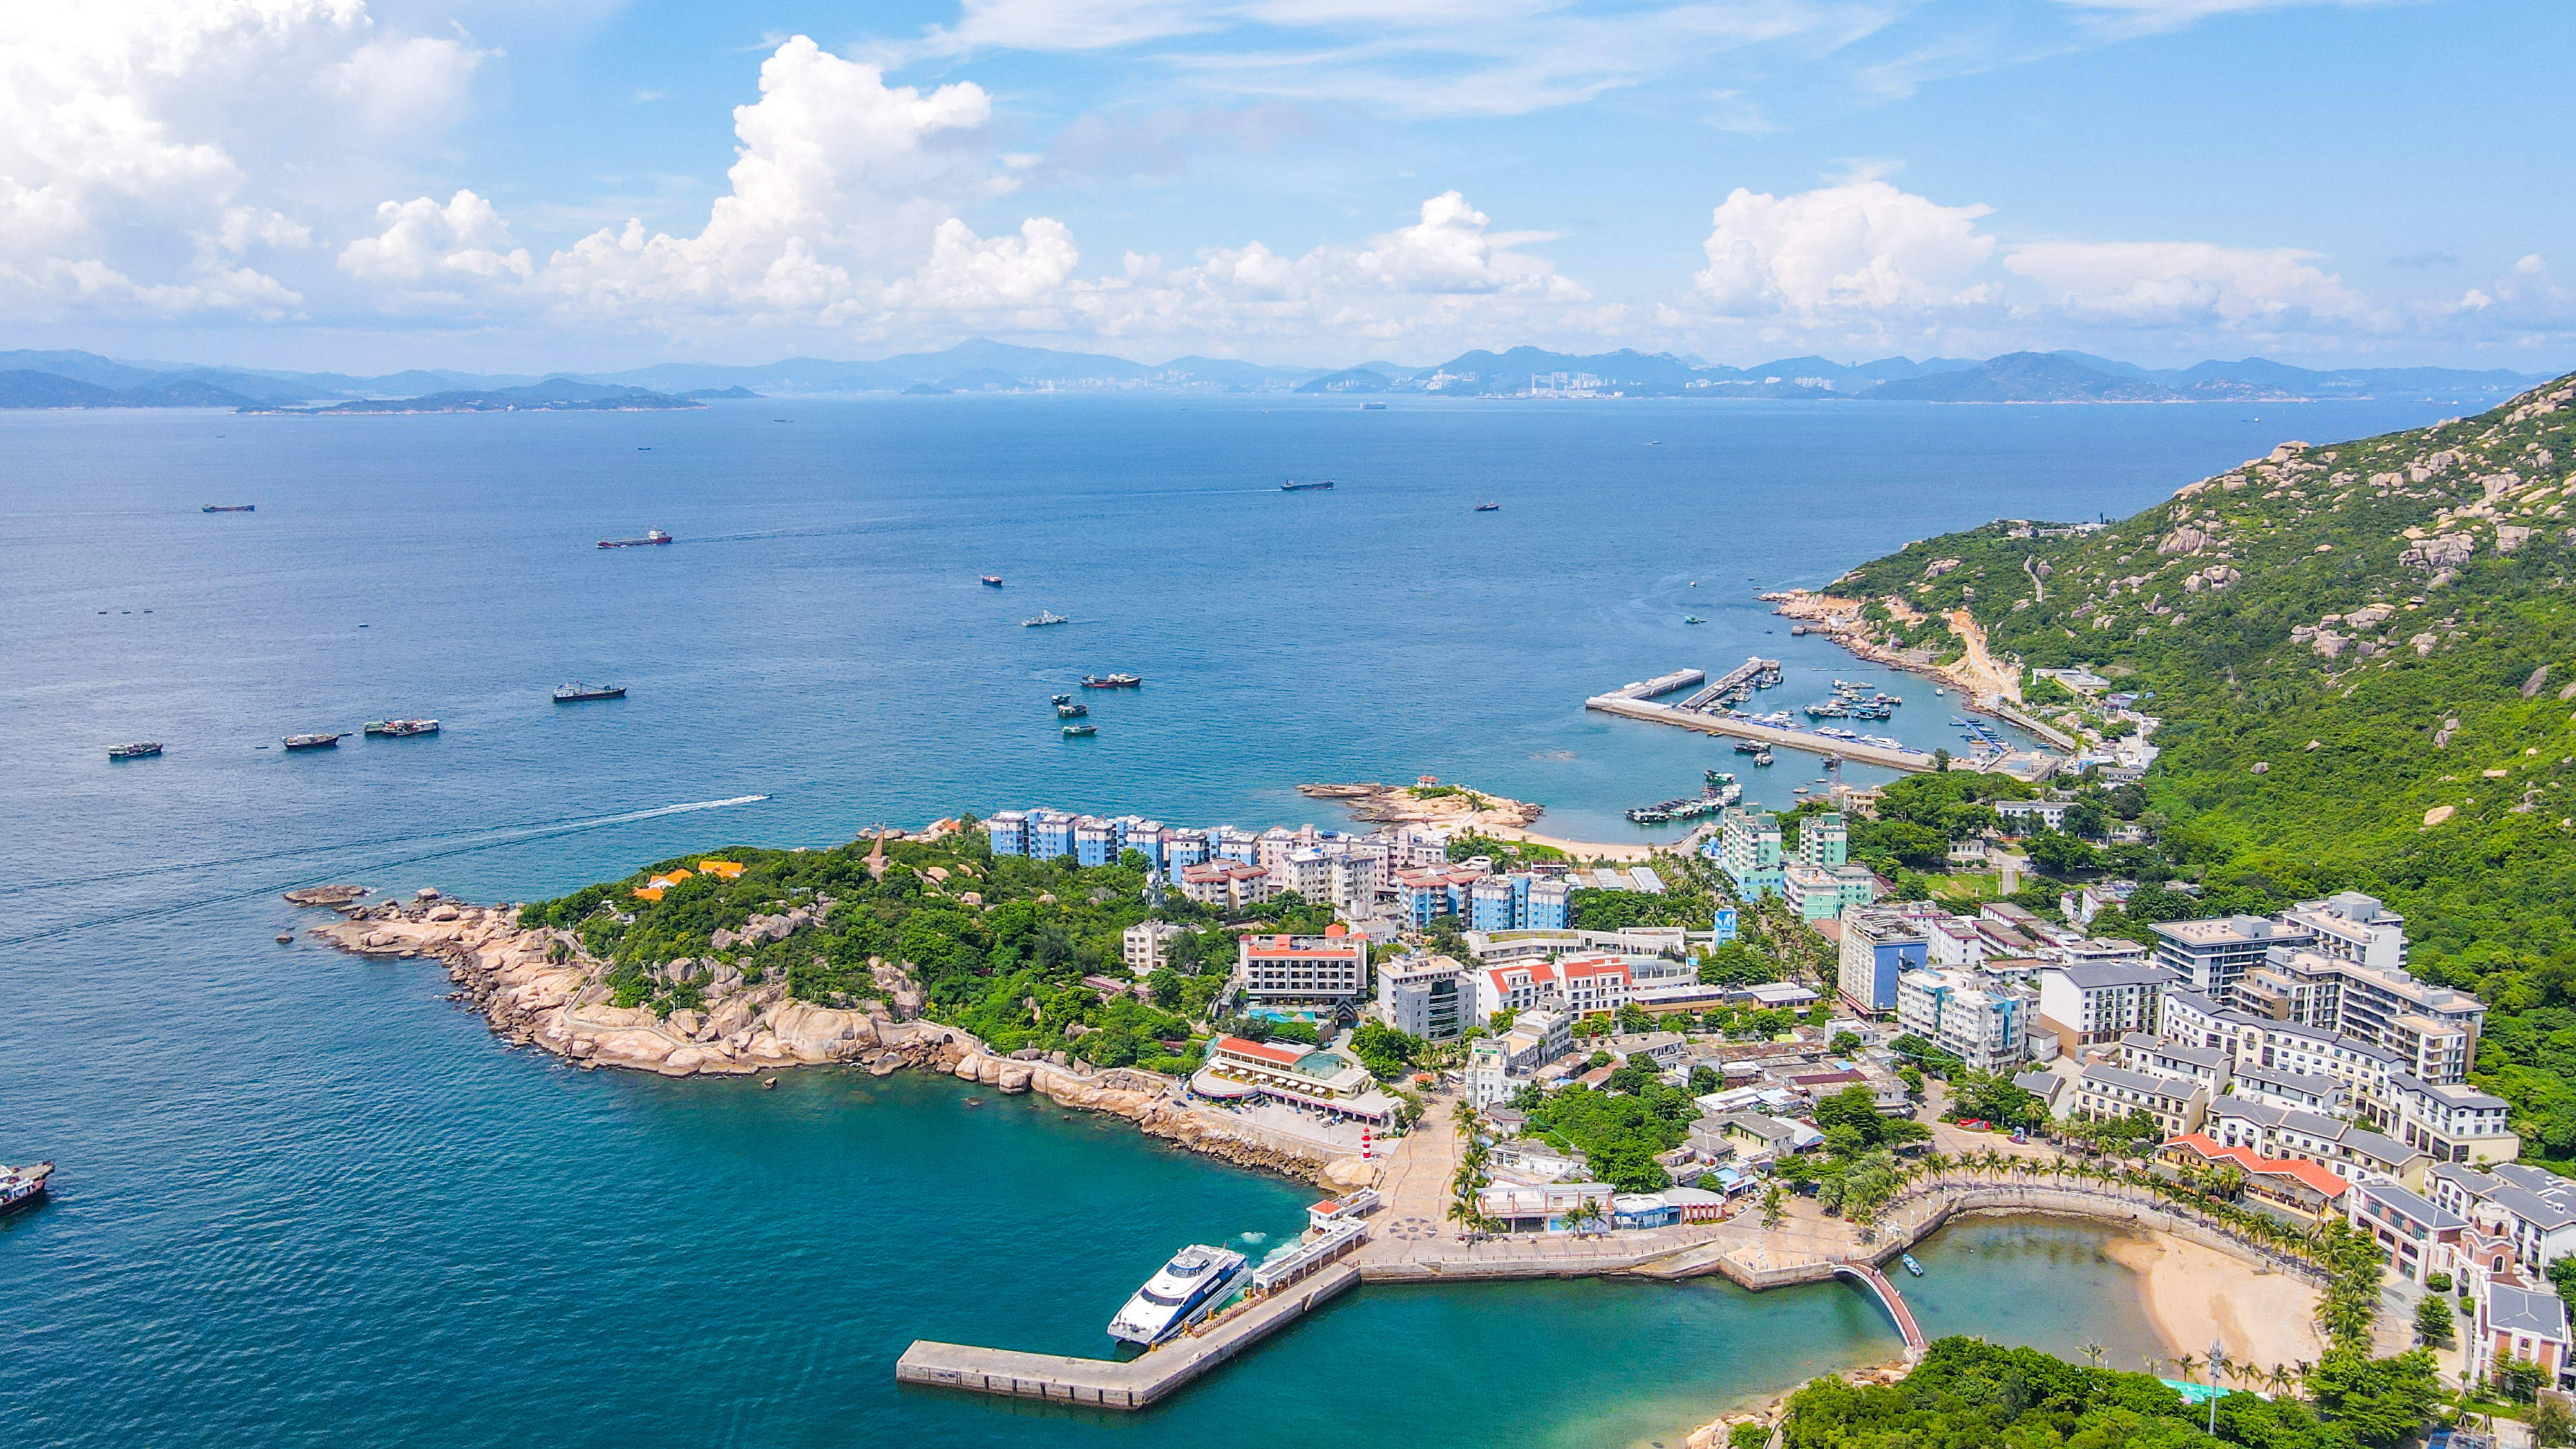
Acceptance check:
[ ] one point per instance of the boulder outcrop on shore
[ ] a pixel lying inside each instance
(539, 988)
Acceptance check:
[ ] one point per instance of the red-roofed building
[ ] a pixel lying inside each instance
(1303, 971)
(1582, 986)
(2290, 1187)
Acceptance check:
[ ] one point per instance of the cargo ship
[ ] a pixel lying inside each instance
(140, 750)
(651, 537)
(1113, 681)
(230, 508)
(1293, 486)
(397, 729)
(22, 1186)
(576, 693)
(313, 742)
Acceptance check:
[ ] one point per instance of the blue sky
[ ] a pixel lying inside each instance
(583, 183)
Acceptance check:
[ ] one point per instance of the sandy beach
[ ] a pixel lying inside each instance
(2193, 1294)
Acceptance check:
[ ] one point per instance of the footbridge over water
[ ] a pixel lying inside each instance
(1876, 1282)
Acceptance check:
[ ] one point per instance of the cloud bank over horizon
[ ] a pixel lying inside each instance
(273, 169)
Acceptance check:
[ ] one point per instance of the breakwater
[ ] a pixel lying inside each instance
(1899, 758)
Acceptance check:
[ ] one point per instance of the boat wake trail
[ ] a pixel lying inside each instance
(501, 836)
(522, 829)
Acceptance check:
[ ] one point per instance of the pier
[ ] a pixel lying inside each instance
(1743, 678)
(1107, 1383)
(1662, 684)
(1788, 739)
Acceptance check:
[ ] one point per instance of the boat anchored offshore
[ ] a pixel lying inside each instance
(1184, 1292)
(1071, 711)
(1113, 681)
(139, 750)
(651, 537)
(1488, 507)
(576, 693)
(1043, 619)
(1080, 731)
(313, 742)
(399, 729)
(1293, 486)
(22, 1186)
(990, 581)
(1693, 619)
(230, 508)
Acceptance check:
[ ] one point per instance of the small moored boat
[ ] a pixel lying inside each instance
(1080, 731)
(1911, 1266)
(1071, 711)
(1488, 507)
(398, 729)
(990, 581)
(139, 750)
(313, 742)
(1113, 681)
(1044, 618)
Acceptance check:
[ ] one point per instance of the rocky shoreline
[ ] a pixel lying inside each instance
(539, 988)
(1457, 807)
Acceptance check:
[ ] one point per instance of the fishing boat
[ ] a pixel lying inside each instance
(1750, 747)
(1488, 507)
(576, 693)
(400, 729)
(652, 536)
(1911, 1266)
(313, 742)
(1080, 731)
(1060, 699)
(1293, 486)
(22, 1186)
(1044, 618)
(1762, 756)
(990, 581)
(1113, 681)
(230, 508)
(1071, 711)
(1693, 619)
(1186, 1290)
(139, 750)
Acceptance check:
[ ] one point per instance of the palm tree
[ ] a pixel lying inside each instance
(2185, 1363)
(2092, 1351)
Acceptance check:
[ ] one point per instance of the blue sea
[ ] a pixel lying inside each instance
(305, 1199)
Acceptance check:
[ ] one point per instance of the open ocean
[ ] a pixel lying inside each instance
(302, 1199)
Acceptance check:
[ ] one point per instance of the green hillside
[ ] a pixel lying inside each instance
(2364, 656)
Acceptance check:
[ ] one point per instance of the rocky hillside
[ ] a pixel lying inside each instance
(2365, 657)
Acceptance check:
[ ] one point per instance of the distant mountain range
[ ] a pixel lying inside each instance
(554, 395)
(30, 379)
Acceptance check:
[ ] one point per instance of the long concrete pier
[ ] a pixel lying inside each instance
(1786, 739)
(1107, 1383)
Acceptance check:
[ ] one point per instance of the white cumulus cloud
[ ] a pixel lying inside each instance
(1858, 247)
(2160, 284)
(422, 241)
(839, 176)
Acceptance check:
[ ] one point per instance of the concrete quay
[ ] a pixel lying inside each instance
(1915, 761)
(1107, 1383)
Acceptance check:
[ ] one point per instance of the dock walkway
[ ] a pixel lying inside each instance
(1108, 1383)
(1787, 739)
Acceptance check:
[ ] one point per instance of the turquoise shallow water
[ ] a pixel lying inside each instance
(306, 1200)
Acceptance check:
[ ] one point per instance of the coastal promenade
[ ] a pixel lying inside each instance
(1915, 761)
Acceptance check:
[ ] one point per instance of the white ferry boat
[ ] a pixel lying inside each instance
(1183, 1293)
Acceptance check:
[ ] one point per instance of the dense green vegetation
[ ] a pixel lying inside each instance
(1007, 966)
(1967, 1394)
(1618, 1128)
(2363, 656)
